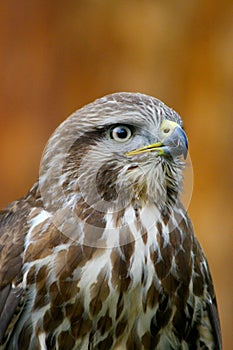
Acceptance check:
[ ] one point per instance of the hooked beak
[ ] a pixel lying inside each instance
(173, 142)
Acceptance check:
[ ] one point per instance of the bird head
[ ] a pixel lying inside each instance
(121, 148)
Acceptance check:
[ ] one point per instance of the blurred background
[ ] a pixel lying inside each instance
(57, 56)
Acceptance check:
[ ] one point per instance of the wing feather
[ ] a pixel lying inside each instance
(212, 310)
(13, 228)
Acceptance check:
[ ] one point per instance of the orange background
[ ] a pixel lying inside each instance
(56, 56)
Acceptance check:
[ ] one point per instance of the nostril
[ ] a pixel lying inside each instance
(166, 131)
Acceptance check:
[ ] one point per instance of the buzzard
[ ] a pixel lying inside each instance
(101, 254)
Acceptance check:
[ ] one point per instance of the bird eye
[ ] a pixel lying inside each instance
(120, 133)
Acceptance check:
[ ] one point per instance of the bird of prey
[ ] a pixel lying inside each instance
(101, 254)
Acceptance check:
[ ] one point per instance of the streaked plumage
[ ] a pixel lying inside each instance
(100, 254)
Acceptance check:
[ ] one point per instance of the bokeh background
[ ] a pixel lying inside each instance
(56, 56)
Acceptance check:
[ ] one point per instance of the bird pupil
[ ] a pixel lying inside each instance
(122, 133)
